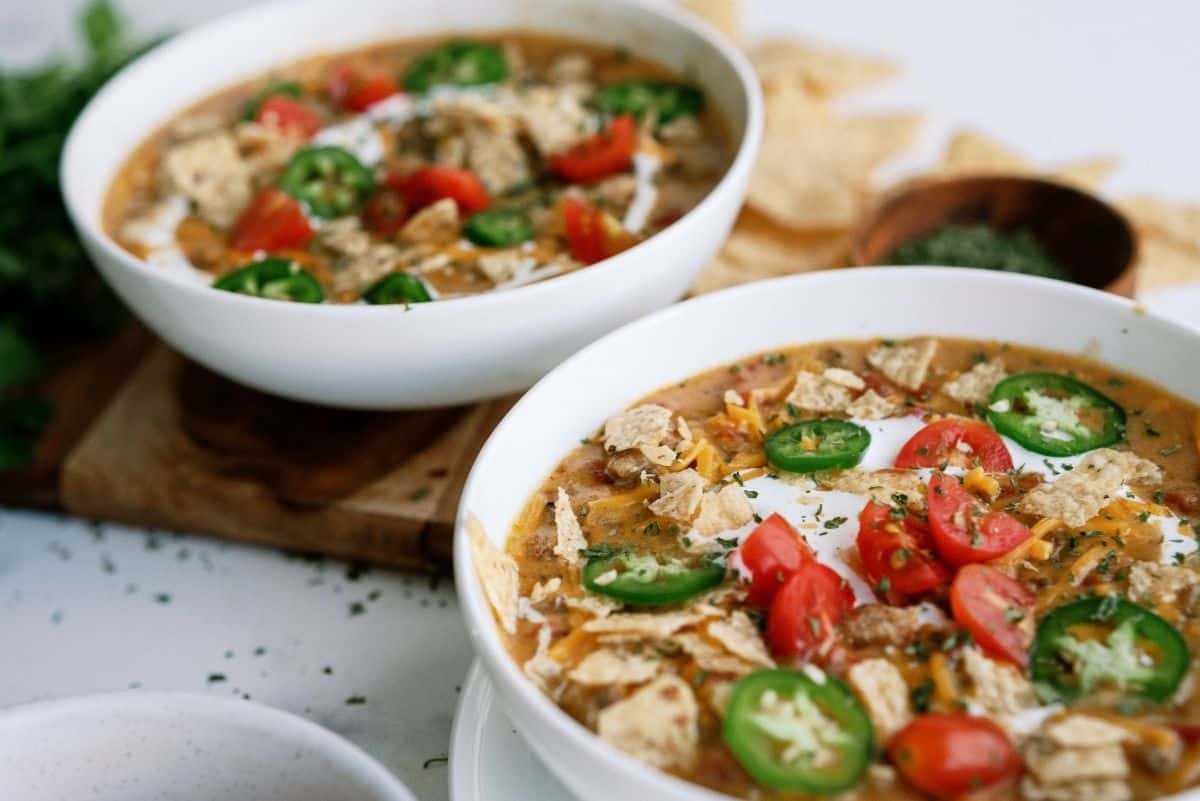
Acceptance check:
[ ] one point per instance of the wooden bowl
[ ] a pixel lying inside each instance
(1088, 237)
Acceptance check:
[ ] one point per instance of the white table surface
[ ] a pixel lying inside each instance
(90, 608)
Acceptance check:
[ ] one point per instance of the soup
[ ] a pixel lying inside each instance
(419, 171)
(896, 569)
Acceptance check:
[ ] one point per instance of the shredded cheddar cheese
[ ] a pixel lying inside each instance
(748, 418)
(748, 463)
(980, 483)
(1036, 547)
(944, 685)
(623, 499)
(571, 648)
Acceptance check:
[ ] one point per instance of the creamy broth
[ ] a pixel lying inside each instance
(571, 154)
(1137, 544)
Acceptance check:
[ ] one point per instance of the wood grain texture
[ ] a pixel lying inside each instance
(79, 382)
(139, 464)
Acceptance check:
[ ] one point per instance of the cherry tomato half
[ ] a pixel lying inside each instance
(385, 212)
(771, 554)
(964, 529)
(602, 155)
(940, 443)
(272, 222)
(897, 553)
(997, 610)
(584, 226)
(949, 756)
(806, 610)
(428, 185)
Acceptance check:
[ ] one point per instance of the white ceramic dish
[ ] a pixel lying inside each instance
(142, 746)
(575, 399)
(386, 357)
(489, 760)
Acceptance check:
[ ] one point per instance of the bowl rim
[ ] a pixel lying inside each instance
(503, 670)
(670, 20)
(288, 726)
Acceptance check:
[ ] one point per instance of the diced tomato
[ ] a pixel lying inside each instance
(273, 221)
(1190, 732)
(385, 212)
(965, 529)
(897, 553)
(771, 554)
(353, 91)
(952, 755)
(939, 443)
(997, 610)
(584, 224)
(428, 185)
(370, 91)
(339, 82)
(288, 115)
(806, 610)
(602, 155)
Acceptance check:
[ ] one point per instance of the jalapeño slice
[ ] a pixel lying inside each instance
(1107, 643)
(668, 100)
(499, 228)
(814, 445)
(646, 579)
(288, 88)
(397, 288)
(1054, 415)
(276, 279)
(461, 63)
(793, 732)
(329, 181)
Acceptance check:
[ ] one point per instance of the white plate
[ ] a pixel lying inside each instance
(137, 746)
(1180, 303)
(489, 761)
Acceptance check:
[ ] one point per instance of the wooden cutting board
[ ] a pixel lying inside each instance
(181, 448)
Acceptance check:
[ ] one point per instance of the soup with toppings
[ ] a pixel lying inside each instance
(895, 569)
(417, 171)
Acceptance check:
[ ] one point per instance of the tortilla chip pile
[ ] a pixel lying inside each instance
(816, 173)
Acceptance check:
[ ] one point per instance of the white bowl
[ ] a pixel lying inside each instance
(148, 746)
(434, 354)
(573, 401)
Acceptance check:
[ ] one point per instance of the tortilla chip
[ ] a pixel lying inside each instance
(741, 638)
(784, 63)
(570, 536)
(1177, 223)
(709, 656)
(764, 249)
(724, 15)
(719, 274)
(1088, 174)
(1164, 263)
(497, 574)
(647, 625)
(658, 724)
(595, 605)
(814, 167)
(972, 152)
(608, 667)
